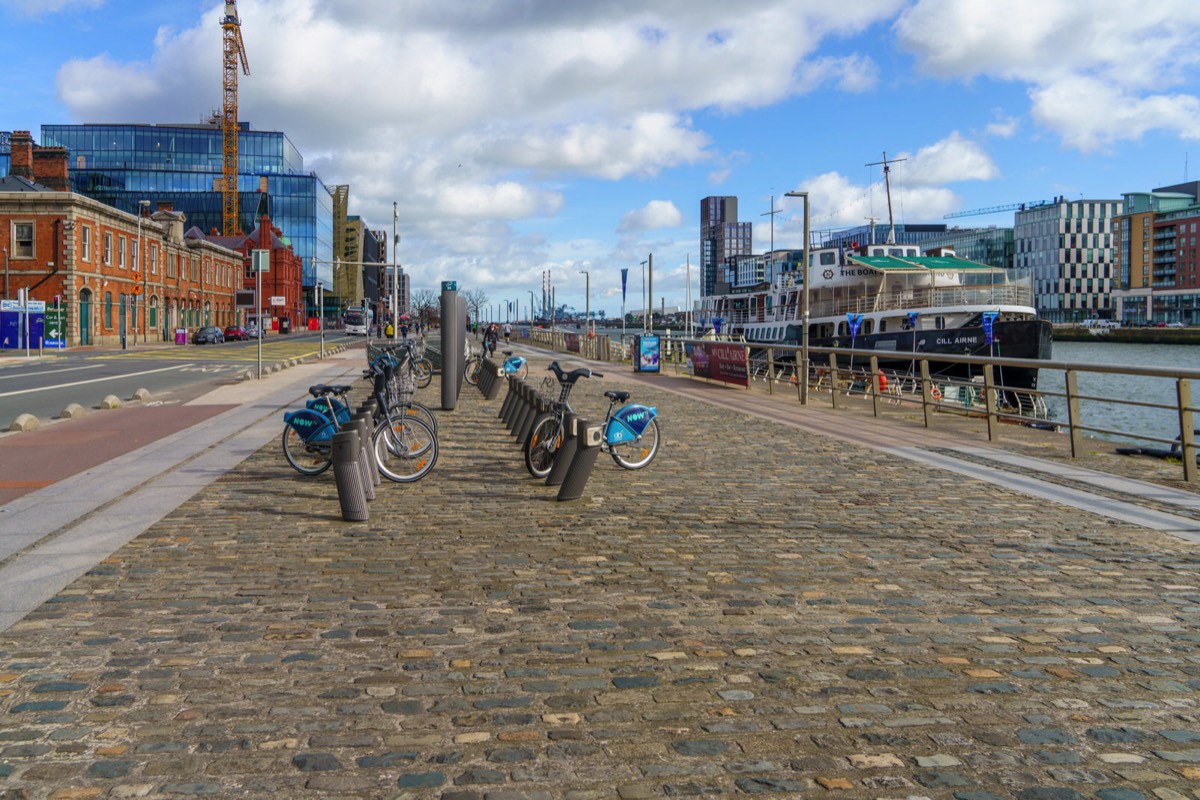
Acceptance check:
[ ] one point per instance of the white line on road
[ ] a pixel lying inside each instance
(49, 372)
(93, 380)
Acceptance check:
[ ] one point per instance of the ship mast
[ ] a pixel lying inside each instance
(887, 182)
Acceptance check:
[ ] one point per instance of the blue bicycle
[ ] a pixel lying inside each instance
(308, 432)
(513, 365)
(631, 434)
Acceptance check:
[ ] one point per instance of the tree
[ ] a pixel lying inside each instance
(427, 306)
(476, 300)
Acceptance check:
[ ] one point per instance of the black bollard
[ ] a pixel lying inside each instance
(347, 474)
(508, 399)
(518, 407)
(580, 469)
(525, 414)
(566, 451)
(495, 380)
(362, 423)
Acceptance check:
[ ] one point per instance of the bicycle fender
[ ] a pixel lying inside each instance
(514, 364)
(305, 422)
(629, 423)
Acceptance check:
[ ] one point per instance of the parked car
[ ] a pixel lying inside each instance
(208, 335)
(236, 333)
(251, 331)
(1176, 325)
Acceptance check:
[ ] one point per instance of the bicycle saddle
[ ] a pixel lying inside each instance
(619, 397)
(507, 352)
(322, 389)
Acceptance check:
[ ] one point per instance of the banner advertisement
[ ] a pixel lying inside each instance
(720, 361)
(572, 341)
(645, 354)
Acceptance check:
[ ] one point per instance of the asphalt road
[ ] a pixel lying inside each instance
(45, 386)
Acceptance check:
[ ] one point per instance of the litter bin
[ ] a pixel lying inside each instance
(285, 326)
(181, 336)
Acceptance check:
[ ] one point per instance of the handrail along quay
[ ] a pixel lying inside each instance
(844, 371)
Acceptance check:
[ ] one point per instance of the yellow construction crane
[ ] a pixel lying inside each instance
(232, 49)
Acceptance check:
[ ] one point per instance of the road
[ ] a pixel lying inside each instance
(45, 386)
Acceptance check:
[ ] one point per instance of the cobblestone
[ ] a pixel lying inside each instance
(762, 611)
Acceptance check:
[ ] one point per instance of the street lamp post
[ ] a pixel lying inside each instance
(644, 297)
(804, 305)
(5, 273)
(143, 204)
(587, 299)
(395, 272)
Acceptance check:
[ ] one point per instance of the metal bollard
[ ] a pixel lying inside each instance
(538, 406)
(525, 418)
(365, 432)
(566, 452)
(365, 458)
(495, 380)
(580, 469)
(519, 405)
(506, 406)
(348, 475)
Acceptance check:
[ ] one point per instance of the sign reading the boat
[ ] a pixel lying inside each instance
(720, 361)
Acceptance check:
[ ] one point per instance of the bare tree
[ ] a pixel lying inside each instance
(426, 304)
(476, 300)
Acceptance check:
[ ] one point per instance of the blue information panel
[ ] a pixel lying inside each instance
(645, 354)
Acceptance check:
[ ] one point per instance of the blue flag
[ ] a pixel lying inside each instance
(989, 318)
(624, 281)
(855, 321)
(912, 319)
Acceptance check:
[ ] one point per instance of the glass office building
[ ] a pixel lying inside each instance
(181, 165)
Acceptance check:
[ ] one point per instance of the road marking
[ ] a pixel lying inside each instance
(93, 380)
(49, 372)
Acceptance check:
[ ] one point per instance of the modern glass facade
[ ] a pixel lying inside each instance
(5, 153)
(181, 164)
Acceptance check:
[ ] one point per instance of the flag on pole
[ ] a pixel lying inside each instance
(624, 283)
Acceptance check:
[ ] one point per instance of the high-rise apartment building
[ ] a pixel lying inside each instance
(722, 238)
(1068, 245)
(181, 165)
(1155, 241)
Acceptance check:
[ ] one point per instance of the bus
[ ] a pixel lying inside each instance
(356, 321)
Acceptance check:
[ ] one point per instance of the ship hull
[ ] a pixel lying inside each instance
(898, 351)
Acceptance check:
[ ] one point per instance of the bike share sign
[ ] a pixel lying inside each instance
(22, 323)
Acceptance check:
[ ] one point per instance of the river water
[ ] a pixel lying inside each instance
(1162, 423)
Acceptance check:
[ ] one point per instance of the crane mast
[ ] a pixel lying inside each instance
(232, 51)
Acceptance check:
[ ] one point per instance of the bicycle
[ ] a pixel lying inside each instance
(514, 366)
(422, 367)
(405, 447)
(630, 432)
(401, 380)
(308, 433)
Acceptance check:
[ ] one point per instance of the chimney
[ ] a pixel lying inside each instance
(21, 164)
(50, 168)
(165, 205)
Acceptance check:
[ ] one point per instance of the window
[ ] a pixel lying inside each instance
(22, 234)
(85, 243)
(153, 259)
(108, 249)
(121, 252)
(136, 255)
(170, 266)
(108, 310)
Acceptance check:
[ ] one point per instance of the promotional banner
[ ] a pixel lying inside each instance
(720, 361)
(572, 341)
(855, 321)
(645, 353)
(624, 281)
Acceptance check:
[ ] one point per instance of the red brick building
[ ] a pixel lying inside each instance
(119, 276)
(283, 282)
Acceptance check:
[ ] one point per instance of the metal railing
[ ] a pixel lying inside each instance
(925, 385)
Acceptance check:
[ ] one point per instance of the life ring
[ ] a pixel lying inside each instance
(882, 381)
(935, 393)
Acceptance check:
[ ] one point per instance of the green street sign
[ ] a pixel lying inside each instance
(449, 286)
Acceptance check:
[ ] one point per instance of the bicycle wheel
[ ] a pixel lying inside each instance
(471, 371)
(423, 372)
(405, 449)
(545, 437)
(307, 459)
(639, 453)
(522, 372)
(422, 412)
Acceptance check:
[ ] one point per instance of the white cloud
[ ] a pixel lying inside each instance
(1088, 64)
(42, 8)
(655, 214)
(952, 159)
(1005, 128)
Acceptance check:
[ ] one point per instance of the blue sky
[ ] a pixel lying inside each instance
(524, 136)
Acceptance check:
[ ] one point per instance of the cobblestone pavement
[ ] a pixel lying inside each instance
(762, 611)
